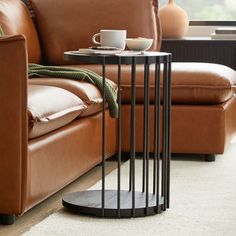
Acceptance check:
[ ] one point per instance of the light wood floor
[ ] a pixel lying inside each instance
(53, 204)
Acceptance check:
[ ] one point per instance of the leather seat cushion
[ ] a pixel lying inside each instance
(50, 108)
(192, 83)
(15, 19)
(87, 92)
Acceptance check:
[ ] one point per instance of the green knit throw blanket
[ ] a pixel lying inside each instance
(35, 70)
(1, 31)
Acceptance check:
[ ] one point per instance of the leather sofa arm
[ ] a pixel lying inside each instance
(13, 124)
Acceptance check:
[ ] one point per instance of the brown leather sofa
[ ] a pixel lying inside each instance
(50, 129)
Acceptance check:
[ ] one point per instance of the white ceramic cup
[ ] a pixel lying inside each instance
(111, 38)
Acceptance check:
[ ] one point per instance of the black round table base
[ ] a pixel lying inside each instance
(89, 202)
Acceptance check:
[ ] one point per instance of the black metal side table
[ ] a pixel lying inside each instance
(132, 203)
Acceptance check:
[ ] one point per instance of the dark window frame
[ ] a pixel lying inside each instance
(212, 23)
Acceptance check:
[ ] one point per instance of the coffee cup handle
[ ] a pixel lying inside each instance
(94, 39)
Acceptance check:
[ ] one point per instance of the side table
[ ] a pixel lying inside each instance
(132, 203)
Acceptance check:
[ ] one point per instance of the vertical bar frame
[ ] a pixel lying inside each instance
(140, 203)
(165, 133)
(132, 132)
(156, 171)
(144, 136)
(103, 132)
(163, 142)
(119, 137)
(169, 129)
(166, 153)
(146, 128)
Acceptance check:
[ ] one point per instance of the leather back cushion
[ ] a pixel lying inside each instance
(15, 19)
(70, 24)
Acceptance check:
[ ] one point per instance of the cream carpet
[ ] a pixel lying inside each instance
(203, 202)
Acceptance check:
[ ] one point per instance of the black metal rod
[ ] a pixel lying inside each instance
(166, 128)
(144, 136)
(157, 135)
(169, 131)
(130, 154)
(164, 121)
(132, 140)
(103, 133)
(130, 168)
(166, 125)
(146, 130)
(119, 136)
(155, 132)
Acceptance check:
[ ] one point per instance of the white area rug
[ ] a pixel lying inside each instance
(203, 203)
